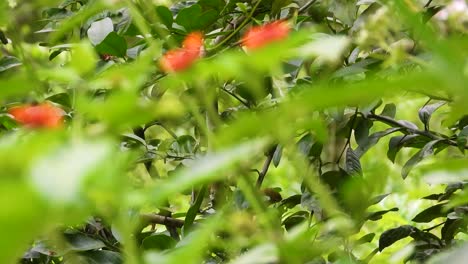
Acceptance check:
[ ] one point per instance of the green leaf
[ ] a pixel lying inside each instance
(15, 85)
(4, 13)
(426, 112)
(325, 48)
(361, 131)
(7, 121)
(398, 142)
(97, 257)
(277, 5)
(305, 144)
(8, 62)
(82, 242)
(378, 199)
(370, 108)
(84, 58)
(68, 169)
(393, 235)
(295, 219)
(430, 214)
(18, 223)
(184, 145)
(194, 209)
(206, 19)
(60, 98)
(353, 165)
(374, 216)
(165, 16)
(3, 38)
(365, 239)
(427, 150)
(217, 5)
(158, 242)
(204, 169)
(55, 53)
(134, 138)
(462, 139)
(389, 110)
(373, 139)
(451, 228)
(187, 16)
(345, 10)
(334, 179)
(114, 45)
(262, 254)
(194, 18)
(277, 155)
(291, 201)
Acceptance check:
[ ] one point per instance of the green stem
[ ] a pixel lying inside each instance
(246, 20)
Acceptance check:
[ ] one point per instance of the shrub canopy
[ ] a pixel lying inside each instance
(226, 131)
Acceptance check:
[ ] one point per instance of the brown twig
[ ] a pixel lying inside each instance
(353, 124)
(266, 166)
(412, 130)
(162, 220)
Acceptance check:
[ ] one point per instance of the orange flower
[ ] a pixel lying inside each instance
(180, 59)
(42, 115)
(193, 42)
(260, 36)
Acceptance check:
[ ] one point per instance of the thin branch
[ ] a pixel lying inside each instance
(266, 166)
(432, 227)
(428, 4)
(162, 220)
(157, 123)
(235, 96)
(243, 23)
(412, 130)
(353, 124)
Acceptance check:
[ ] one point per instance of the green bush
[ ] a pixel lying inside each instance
(215, 131)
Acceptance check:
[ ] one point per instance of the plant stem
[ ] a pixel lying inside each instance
(428, 4)
(353, 124)
(243, 23)
(236, 97)
(411, 130)
(266, 166)
(162, 220)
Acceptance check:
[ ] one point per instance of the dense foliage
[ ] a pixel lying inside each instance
(215, 131)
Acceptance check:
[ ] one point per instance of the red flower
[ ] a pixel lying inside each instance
(260, 36)
(193, 42)
(42, 115)
(180, 59)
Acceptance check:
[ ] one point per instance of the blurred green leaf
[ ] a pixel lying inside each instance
(84, 59)
(205, 169)
(96, 257)
(427, 150)
(374, 216)
(165, 15)
(8, 62)
(60, 98)
(426, 112)
(393, 235)
(158, 242)
(113, 44)
(430, 214)
(81, 242)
